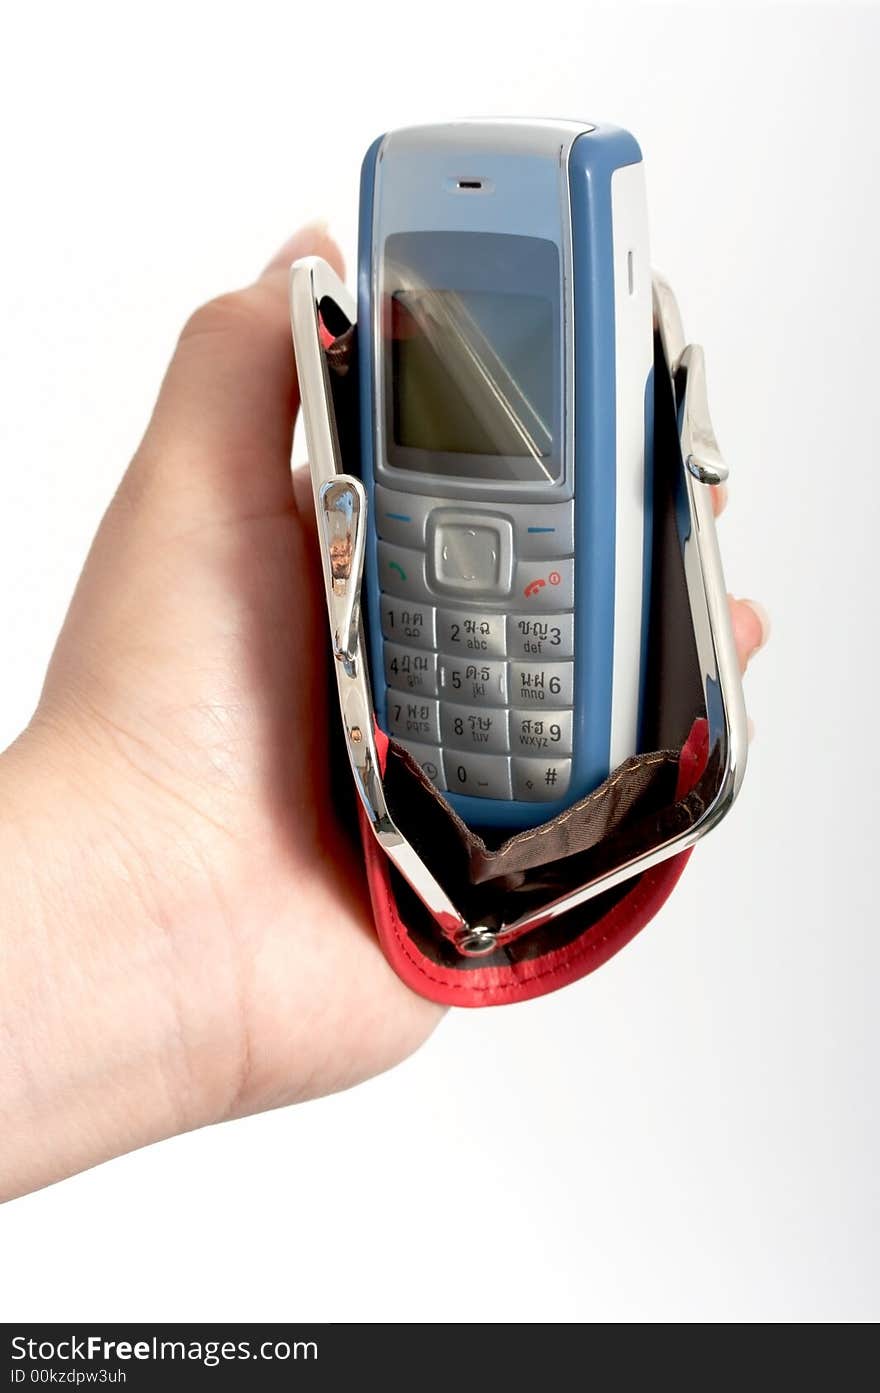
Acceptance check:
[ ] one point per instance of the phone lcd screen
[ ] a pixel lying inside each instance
(471, 334)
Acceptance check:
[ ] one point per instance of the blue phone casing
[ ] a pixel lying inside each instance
(593, 158)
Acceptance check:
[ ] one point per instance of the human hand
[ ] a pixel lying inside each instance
(186, 933)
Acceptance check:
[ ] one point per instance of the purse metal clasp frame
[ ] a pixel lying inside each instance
(341, 508)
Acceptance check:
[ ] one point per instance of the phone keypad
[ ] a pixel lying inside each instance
(479, 649)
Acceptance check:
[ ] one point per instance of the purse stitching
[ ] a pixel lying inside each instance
(593, 798)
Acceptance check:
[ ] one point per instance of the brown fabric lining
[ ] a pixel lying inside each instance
(617, 819)
(641, 820)
(632, 788)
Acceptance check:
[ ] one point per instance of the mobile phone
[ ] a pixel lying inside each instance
(505, 359)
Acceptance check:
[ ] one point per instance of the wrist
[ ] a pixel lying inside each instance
(98, 1041)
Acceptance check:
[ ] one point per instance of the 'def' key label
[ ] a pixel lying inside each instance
(539, 636)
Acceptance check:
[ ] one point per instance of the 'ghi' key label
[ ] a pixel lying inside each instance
(410, 670)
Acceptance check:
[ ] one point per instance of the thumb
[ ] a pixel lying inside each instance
(218, 445)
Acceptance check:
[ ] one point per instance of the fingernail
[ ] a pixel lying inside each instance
(763, 619)
(300, 244)
(721, 494)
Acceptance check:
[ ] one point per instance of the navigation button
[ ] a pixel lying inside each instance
(470, 553)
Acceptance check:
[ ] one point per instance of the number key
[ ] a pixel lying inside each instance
(542, 684)
(474, 728)
(540, 780)
(541, 636)
(481, 776)
(429, 759)
(413, 718)
(537, 732)
(408, 623)
(410, 670)
(478, 680)
(481, 634)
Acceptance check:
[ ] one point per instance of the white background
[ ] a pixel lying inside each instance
(692, 1133)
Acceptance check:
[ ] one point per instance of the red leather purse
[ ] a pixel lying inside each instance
(600, 930)
(469, 921)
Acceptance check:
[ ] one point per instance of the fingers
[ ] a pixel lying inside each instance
(302, 492)
(320, 243)
(719, 499)
(751, 622)
(220, 437)
(751, 628)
